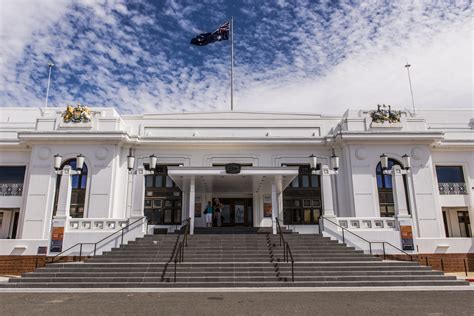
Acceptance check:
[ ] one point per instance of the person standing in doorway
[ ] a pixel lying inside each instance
(208, 214)
(217, 212)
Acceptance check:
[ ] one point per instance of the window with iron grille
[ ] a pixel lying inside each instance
(451, 180)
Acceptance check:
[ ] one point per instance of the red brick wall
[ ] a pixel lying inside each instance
(452, 262)
(16, 265)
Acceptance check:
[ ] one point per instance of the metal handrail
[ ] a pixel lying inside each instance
(178, 251)
(286, 249)
(322, 218)
(80, 244)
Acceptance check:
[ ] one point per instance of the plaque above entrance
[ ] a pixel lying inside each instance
(233, 168)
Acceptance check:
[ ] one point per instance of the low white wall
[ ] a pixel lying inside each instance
(445, 245)
(304, 229)
(372, 235)
(25, 247)
(72, 238)
(169, 228)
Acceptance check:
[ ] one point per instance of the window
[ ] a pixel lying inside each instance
(464, 224)
(11, 180)
(78, 192)
(302, 199)
(457, 222)
(450, 180)
(162, 198)
(385, 190)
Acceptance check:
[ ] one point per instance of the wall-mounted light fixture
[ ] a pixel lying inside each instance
(58, 159)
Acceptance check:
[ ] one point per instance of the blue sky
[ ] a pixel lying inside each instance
(305, 56)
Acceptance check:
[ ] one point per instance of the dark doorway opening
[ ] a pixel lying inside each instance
(236, 212)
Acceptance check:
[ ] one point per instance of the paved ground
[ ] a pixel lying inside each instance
(228, 303)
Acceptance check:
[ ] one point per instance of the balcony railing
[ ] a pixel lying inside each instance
(367, 223)
(11, 189)
(452, 188)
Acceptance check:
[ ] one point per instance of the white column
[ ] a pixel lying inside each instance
(326, 190)
(192, 195)
(274, 206)
(138, 200)
(399, 195)
(129, 198)
(256, 209)
(279, 188)
(64, 194)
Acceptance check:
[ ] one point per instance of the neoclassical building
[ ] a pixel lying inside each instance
(77, 175)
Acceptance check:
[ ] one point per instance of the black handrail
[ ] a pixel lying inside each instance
(286, 249)
(178, 252)
(53, 259)
(322, 218)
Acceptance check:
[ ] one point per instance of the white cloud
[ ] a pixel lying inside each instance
(289, 57)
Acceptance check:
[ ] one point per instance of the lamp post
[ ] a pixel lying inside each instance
(57, 160)
(406, 164)
(60, 219)
(400, 193)
(333, 162)
(326, 186)
(136, 200)
(131, 164)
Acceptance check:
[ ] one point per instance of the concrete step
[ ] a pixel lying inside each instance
(188, 273)
(233, 260)
(171, 284)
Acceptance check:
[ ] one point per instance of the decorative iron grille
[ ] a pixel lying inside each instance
(11, 189)
(452, 188)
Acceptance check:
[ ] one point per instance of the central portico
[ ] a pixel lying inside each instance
(236, 186)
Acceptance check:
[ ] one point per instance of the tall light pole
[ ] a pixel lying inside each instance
(407, 66)
(50, 66)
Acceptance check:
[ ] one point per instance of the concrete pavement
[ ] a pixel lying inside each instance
(241, 303)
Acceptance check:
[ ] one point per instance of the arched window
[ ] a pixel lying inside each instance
(78, 193)
(384, 186)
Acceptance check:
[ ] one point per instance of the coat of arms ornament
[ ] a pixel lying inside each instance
(77, 114)
(384, 113)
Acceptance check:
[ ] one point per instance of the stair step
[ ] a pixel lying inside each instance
(240, 257)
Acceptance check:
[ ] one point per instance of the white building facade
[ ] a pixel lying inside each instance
(257, 164)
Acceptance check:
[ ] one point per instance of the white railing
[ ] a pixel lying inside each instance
(96, 224)
(367, 223)
(11, 189)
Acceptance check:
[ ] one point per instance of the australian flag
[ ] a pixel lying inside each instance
(221, 34)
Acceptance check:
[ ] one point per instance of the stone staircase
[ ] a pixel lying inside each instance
(233, 260)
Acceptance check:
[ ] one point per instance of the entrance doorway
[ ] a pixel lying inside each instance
(237, 212)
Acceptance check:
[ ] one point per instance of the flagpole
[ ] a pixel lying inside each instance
(50, 65)
(232, 64)
(407, 66)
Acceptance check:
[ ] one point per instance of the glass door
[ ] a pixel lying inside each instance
(236, 212)
(239, 212)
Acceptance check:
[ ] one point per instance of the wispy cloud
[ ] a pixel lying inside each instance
(290, 55)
